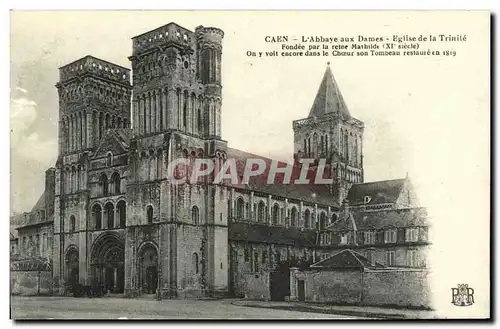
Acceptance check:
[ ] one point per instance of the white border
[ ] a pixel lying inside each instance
(492, 5)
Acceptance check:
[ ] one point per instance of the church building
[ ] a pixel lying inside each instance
(118, 221)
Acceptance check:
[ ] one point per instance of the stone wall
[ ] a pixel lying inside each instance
(31, 283)
(256, 286)
(333, 286)
(388, 287)
(408, 288)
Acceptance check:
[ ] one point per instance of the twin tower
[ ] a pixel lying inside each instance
(176, 77)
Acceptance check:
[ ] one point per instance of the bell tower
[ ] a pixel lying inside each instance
(330, 132)
(177, 81)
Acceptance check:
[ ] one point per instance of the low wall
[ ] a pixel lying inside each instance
(333, 286)
(405, 288)
(31, 283)
(256, 286)
(389, 287)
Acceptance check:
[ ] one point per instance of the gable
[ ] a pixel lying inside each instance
(115, 141)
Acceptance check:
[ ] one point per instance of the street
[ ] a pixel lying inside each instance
(146, 308)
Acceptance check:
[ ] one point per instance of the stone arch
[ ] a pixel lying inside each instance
(97, 216)
(148, 267)
(240, 208)
(121, 210)
(107, 262)
(149, 214)
(275, 214)
(72, 261)
(109, 209)
(293, 216)
(307, 218)
(323, 221)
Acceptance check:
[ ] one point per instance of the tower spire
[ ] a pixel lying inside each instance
(328, 98)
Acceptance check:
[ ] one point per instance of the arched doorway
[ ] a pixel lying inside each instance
(108, 263)
(72, 266)
(148, 269)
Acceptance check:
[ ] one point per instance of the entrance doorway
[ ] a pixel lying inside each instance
(151, 279)
(301, 290)
(148, 270)
(72, 266)
(108, 263)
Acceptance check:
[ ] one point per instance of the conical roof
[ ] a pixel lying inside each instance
(328, 99)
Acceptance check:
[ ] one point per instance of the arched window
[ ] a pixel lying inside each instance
(108, 160)
(97, 216)
(110, 214)
(115, 182)
(104, 184)
(195, 215)
(121, 207)
(195, 263)
(322, 221)
(315, 146)
(275, 214)
(72, 224)
(240, 208)
(334, 218)
(261, 217)
(293, 217)
(184, 109)
(73, 179)
(149, 212)
(307, 216)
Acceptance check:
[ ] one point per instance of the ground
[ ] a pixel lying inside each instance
(147, 308)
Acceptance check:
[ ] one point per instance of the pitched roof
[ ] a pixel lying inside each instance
(314, 193)
(328, 98)
(271, 234)
(386, 191)
(369, 220)
(40, 204)
(346, 259)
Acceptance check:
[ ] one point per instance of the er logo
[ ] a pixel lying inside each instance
(462, 295)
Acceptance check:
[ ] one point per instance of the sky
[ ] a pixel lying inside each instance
(406, 103)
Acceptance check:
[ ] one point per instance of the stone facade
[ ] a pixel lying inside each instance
(116, 219)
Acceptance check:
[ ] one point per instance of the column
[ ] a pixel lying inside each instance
(135, 115)
(180, 116)
(72, 133)
(141, 123)
(89, 124)
(217, 117)
(171, 122)
(158, 110)
(164, 94)
(285, 221)
(152, 102)
(60, 137)
(147, 115)
(78, 131)
(188, 124)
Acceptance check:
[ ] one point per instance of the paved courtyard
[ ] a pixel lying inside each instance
(147, 308)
